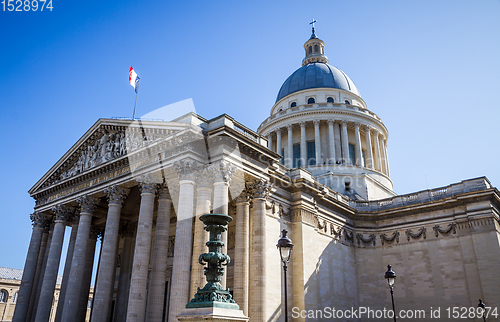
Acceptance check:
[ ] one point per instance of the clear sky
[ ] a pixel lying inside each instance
(429, 69)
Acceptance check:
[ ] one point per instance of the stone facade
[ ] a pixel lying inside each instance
(142, 186)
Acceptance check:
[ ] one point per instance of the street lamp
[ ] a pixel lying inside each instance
(390, 276)
(285, 246)
(483, 306)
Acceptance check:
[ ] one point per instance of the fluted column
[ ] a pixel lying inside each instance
(36, 296)
(242, 251)
(359, 153)
(223, 172)
(303, 145)
(136, 310)
(74, 220)
(278, 142)
(369, 159)
(83, 299)
(345, 144)
(317, 142)
(70, 308)
(258, 303)
(378, 165)
(204, 185)
(53, 259)
(179, 291)
(331, 142)
(289, 157)
(107, 264)
(387, 172)
(127, 232)
(270, 141)
(28, 280)
(156, 292)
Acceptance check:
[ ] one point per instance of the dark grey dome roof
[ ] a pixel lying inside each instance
(316, 75)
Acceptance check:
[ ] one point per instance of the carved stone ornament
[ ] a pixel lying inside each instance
(96, 231)
(116, 195)
(128, 228)
(421, 232)
(223, 171)
(384, 238)
(204, 177)
(87, 204)
(336, 233)
(187, 169)
(63, 213)
(244, 197)
(451, 227)
(39, 220)
(163, 192)
(261, 188)
(367, 240)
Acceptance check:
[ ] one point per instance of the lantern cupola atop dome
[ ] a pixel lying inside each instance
(315, 49)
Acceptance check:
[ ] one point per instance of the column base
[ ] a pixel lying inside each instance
(214, 314)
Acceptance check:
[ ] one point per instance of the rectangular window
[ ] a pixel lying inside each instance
(282, 156)
(311, 153)
(296, 156)
(352, 153)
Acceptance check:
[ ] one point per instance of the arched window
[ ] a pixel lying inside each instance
(3, 296)
(311, 100)
(315, 48)
(293, 104)
(14, 297)
(347, 102)
(310, 49)
(329, 100)
(280, 110)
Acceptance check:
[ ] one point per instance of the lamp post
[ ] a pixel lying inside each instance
(390, 276)
(285, 246)
(483, 306)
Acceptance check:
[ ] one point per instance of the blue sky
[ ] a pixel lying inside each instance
(429, 69)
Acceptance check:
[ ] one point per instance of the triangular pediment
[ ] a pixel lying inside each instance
(107, 141)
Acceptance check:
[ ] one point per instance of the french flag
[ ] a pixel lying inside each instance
(133, 79)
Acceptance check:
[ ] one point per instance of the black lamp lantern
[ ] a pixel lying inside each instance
(390, 276)
(285, 246)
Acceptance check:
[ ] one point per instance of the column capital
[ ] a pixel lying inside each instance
(344, 122)
(316, 122)
(163, 192)
(367, 128)
(62, 213)
(260, 188)
(244, 196)
(187, 169)
(116, 195)
(222, 171)
(357, 125)
(204, 177)
(127, 228)
(87, 203)
(278, 130)
(40, 220)
(289, 127)
(330, 121)
(302, 124)
(96, 231)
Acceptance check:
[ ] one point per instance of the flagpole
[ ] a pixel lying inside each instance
(136, 94)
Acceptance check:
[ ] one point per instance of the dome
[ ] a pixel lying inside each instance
(316, 75)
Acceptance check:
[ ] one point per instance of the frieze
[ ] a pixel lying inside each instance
(451, 228)
(384, 238)
(367, 240)
(106, 145)
(95, 181)
(421, 232)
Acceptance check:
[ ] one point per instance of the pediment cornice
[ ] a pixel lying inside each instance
(105, 147)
